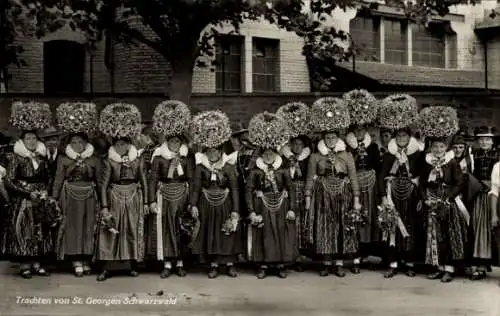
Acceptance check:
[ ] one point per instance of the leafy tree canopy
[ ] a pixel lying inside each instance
(177, 24)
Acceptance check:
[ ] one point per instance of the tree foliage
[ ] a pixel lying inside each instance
(183, 30)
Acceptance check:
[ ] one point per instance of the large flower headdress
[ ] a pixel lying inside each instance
(298, 117)
(171, 118)
(30, 115)
(268, 130)
(362, 106)
(439, 121)
(76, 117)
(210, 129)
(120, 120)
(330, 114)
(398, 111)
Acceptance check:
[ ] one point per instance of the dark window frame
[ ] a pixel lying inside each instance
(392, 40)
(365, 34)
(229, 52)
(429, 45)
(265, 65)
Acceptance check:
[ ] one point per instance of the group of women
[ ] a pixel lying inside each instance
(302, 182)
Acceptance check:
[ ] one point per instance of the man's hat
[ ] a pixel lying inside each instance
(238, 129)
(50, 131)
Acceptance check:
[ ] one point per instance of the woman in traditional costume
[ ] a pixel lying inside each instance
(296, 154)
(363, 108)
(214, 196)
(441, 184)
(485, 157)
(332, 190)
(28, 238)
(171, 172)
(271, 198)
(398, 184)
(122, 188)
(75, 186)
(495, 214)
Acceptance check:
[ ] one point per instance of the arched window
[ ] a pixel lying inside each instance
(63, 67)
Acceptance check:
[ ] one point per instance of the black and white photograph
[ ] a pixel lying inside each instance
(249, 157)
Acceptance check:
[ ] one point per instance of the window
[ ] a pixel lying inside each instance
(395, 42)
(265, 72)
(228, 63)
(365, 33)
(429, 45)
(63, 67)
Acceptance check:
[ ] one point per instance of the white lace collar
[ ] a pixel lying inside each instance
(413, 146)
(264, 167)
(202, 159)
(324, 150)
(132, 154)
(352, 141)
(430, 158)
(167, 154)
(21, 150)
(287, 152)
(85, 154)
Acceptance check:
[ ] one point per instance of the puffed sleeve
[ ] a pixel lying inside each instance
(153, 179)
(457, 180)
(495, 180)
(59, 178)
(196, 186)
(249, 190)
(104, 182)
(10, 178)
(232, 175)
(351, 173)
(311, 172)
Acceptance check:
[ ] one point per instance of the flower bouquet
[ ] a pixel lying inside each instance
(230, 225)
(109, 223)
(387, 218)
(438, 208)
(354, 219)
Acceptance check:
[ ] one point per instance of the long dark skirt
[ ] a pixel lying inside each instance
(76, 235)
(276, 241)
(446, 234)
(164, 237)
(126, 207)
(215, 207)
(28, 231)
(405, 196)
(481, 243)
(331, 200)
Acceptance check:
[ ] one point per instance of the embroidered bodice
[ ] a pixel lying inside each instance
(484, 160)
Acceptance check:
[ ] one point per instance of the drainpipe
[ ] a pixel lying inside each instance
(485, 48)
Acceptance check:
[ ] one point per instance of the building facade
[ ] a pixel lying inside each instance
(447, 53)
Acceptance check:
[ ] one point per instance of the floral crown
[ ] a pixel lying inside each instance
(210, 129)
(439, 121)
(120, 120)
(397, 112)
(30, 115)
(76, 117)
(298, 117)
(362, 105)
(268, 130)
(171, 118)
(330, 114)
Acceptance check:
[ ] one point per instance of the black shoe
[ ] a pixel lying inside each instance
(134, 273)
(436, 275)
(410, 273)
(165, 273)
(213, 273)
(447, 277)
(355, 269)
(389, 274)
(261, 274)
(40, 271)
(78, 273)
(299, 267)
(103, 276)
(231, 271)
(339, 272)
(282, 273)
(181, 272)
(478, 275)
(26, 274)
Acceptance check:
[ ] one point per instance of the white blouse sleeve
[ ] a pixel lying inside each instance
(495, 180)
(3, 172)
